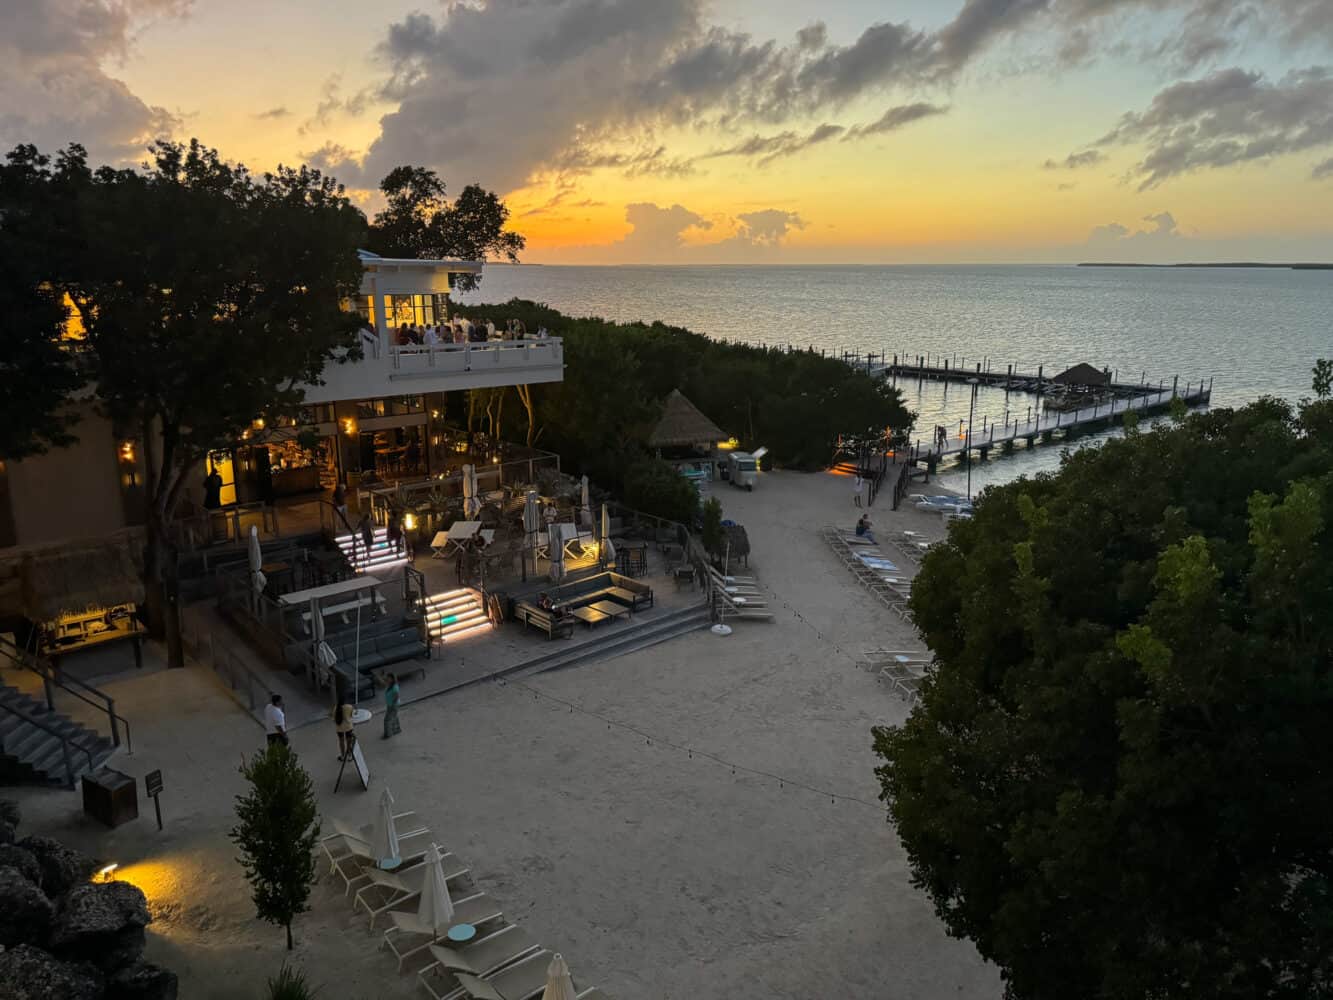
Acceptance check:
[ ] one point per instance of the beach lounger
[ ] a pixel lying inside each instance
(409, 935)
(334, 846)
(593, 994)
(354, 866)
(520, 981)
(481, 957)
(385, 890)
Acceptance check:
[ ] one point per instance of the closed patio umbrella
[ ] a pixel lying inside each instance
(557, 539)
(384, 839)
(469, 493)
(607, 552)
(585, 504)
(435, 909)
(559, 983)
(256, 555)
(531, 525)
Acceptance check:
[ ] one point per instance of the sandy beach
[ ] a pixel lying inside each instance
(657, 872)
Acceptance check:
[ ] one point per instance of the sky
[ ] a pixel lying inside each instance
(739, 131)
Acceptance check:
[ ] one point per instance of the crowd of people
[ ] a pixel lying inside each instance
(461, 330)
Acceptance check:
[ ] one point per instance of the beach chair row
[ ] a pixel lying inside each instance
(502, 962)
(740, 597)
(903, 670)
(875, 572)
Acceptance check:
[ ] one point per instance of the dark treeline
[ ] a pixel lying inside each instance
(617, 376)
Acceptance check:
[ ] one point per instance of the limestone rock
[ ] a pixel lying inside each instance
(102, 924)
(142, 981)
(9, 812)
(7, 833)
(13, 856)
(27, 973)
(62, 867)
(25, 913)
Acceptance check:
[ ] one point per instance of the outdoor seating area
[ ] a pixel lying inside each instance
(592, 601)
(455, 937)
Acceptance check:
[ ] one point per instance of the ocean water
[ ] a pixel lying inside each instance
(1253, 331)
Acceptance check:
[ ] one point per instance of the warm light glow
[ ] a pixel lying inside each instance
(127, 451)
(349, 425)
(730, 444)
(259, 423)
(410, 521)
(496, 459)
(107, 873)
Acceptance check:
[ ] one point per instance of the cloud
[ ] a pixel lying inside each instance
(658, 231)
(332, 103)
(1164, 233)
(53, 88)
(896, 118)
(768, 227)
(1087, 158)
(1229, 117)
(272, 114)
(1322, 170)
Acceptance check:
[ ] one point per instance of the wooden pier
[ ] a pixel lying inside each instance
(1138, 397)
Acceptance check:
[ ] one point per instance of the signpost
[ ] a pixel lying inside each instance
(153, 785)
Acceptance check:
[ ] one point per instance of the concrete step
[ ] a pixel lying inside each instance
(455, 614)
(618, 641)
(36, 754)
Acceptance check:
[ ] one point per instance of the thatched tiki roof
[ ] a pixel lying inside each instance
(682, 425)
(81, 576)
(1083, 374)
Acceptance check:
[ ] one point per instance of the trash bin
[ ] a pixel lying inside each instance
(110, 797)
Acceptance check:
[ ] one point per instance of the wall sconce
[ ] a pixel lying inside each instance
(259, 423)
(349, 425)
(410, 521)
(127, 451)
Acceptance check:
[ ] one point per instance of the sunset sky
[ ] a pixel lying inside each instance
(678, 131)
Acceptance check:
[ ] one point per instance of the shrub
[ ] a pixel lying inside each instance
(654, 487)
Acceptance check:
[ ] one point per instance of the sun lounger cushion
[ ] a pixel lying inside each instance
(518, 982)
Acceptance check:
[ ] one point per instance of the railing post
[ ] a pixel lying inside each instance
(69, 769)
(111, 715)
(49, 691)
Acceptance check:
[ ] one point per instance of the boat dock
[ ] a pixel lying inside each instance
(1138, 397)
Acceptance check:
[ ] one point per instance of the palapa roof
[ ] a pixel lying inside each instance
(81, 576)
(682, 424)
(1083, 374)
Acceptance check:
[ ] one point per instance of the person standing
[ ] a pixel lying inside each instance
(367, 532)
(342, 725)
(394, 531)
(212, 489)
(857, 487)
(391, 696)
(275, 721)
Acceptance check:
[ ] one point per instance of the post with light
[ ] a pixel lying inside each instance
(971, 411)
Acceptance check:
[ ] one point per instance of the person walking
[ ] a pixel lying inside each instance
(342, 725)
(275, 721)
(391, 696)
(857, 487)
(367, 532)
(394, 531)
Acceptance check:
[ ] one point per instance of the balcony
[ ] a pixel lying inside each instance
(390, 370)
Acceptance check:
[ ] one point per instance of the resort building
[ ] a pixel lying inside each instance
(382, 418)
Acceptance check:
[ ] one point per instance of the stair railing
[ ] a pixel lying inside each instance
(53, 678)
(65, 742)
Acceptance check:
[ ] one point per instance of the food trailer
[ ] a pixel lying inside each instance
(742, 467)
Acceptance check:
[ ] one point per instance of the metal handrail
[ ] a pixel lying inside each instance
(65, 741)
(49, 675)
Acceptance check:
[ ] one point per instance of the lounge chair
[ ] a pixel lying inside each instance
(481, 957)
(353, 867)
(409, 935)
(385, 890)
(593, 993)
(334, 846)
(520, 981)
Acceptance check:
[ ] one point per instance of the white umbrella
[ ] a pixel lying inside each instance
(384, 840)
(256, 561)
(469, 492)
(531, 525)
(559, 984)
(607, 553)
(585, 504)
(436, 909)
(556, 536)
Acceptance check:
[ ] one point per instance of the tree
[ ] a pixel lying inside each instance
(277, 829)
(711, 533)
(1119, 781)
(35, 415)
(1323, 378)
(654, 487)
(419, 222)
(209, 298)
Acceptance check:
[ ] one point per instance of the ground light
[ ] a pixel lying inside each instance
(107, 873)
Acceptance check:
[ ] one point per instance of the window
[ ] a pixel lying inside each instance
(418, 310)
(316, 413)
(365, 305)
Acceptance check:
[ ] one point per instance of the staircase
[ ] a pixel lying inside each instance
(618, 640)
(381, 556)
(455, 614)
(31, 740)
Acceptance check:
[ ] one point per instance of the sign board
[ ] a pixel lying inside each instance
(153, 783)
(362, 771)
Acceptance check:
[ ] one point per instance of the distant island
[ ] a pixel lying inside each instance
(1282, 267)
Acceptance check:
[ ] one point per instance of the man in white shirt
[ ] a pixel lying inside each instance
(432, 335)
(275, 721)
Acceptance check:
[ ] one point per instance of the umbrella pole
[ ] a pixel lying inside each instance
(359, 714)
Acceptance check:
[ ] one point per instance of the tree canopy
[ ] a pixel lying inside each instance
(419, 221)
(208, 295)
(35, 415)
(1119, 781)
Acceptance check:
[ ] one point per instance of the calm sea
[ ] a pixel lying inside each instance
(1253, 331)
